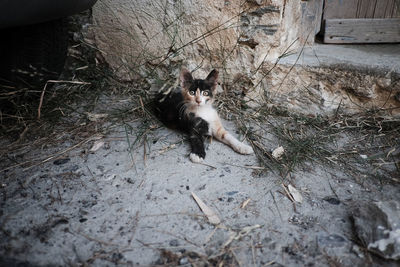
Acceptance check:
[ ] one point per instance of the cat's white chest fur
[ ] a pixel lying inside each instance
(209, 114)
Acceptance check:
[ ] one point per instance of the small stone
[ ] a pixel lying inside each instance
(202, 187)
(356, 250)
(116, 257)
(331, 241)
(73, 168)
(332, 200)
(174, 243)
(384, 82)
(61, 161)
(129, 180)
(183, 261)
(231, 193)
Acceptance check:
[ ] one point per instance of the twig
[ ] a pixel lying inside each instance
(205, 164)
(47, 159)
(246, 167)
(94, 239)
(235, 256)
(276, 205)
(54, 81)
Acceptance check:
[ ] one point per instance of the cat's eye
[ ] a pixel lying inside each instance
(191, 92)
(205, 93)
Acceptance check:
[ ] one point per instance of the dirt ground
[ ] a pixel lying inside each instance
(121, 194)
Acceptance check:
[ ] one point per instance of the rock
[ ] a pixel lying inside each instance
(183, 261)
(332, 200)
(61, 161)
(231, 193)
(377, 225)
(331, 241)
(383, 82)
(174, 243)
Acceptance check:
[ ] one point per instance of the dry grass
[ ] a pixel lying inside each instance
(28, 114)
(364, 143)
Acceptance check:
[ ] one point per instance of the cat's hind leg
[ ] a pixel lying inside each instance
(197, 133)
(225, 137)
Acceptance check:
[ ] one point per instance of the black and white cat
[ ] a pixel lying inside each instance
(189, 109)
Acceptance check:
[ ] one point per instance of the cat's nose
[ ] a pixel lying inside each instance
(198, 100)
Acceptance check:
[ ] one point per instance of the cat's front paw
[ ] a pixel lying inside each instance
(244, 149)
(195, 158)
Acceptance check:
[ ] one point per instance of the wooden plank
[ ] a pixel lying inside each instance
(390, 11)
(366, 8)
(383, 9)
(340, 9)
(350, 9)
(311, 18)
(346, 31)
(396, 9)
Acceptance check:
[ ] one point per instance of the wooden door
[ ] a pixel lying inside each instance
(361, 21)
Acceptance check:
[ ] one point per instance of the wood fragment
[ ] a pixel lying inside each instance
(205, 164)
(97, 145)
(390, 152)
(244, 203)
(211, 215)
(295, 194)
(96, 117)
(237, 235)
(362, 31)
(246, 166)
(287, 193)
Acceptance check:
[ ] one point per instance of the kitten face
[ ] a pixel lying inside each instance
(198, 92)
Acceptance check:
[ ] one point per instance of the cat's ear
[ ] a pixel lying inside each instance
(212, 79)
(185, 78)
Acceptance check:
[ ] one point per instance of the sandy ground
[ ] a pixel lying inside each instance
(131, 204)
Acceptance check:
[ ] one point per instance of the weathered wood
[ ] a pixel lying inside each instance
(352, 9)
(339, 9)
(385, 9)
(366, 8)
(311, 18)
(343, 31)
(396, 9)
(390, 11)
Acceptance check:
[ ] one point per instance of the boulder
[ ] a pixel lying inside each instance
(377, 225)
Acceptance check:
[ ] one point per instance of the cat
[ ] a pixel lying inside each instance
(189, 109)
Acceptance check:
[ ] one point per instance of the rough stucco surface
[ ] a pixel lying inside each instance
(234, 35)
